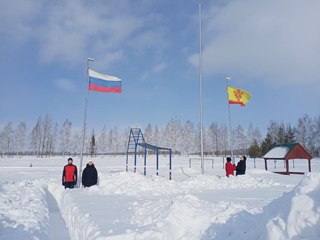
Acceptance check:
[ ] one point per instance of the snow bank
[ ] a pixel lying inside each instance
(183, 217)
(76, 220)
(295, 215)
(133, 184)
(23, 210)
(170, 209)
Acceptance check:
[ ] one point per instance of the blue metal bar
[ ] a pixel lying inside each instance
(128, 146)
(127, 162)
(145, 161)
(170, 165)
(157, 152)
(135, 158)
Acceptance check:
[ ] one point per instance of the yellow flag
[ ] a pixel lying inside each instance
(238, 96)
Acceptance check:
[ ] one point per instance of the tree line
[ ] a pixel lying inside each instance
(47, 138)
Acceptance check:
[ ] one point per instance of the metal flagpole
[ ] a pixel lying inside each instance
(200, 80)
(84, 121)
(230, 128)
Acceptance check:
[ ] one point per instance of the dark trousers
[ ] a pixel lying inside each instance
(69, 185)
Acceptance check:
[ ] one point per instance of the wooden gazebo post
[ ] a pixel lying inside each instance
(287, 166)
(309, 164)
(265, 164)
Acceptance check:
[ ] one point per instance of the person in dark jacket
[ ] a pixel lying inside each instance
(69, 174)
(241, 166)
(229, 167)
(89, 175)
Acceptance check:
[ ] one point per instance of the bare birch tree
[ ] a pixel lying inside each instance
(148, 134)
(103, 141)
(65, 137)
(7, 136)
(213, 137)
(20, 137)
(35, 137)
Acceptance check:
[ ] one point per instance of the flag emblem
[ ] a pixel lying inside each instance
(238, 96)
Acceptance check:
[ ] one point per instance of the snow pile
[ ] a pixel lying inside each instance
(77, 222)
(183, 217)
(162, 209)
(295, 215)
(156, 208)
(23, 210)
(215, 182)
(299, 214)
(132, 184)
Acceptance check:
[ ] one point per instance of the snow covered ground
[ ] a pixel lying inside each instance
(127, 205)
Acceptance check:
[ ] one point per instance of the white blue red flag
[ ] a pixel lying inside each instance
(104, 83)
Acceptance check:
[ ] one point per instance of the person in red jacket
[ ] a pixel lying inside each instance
(69, 174)
(230, 168)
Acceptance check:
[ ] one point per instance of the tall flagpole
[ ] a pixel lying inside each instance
(230, 128)
(200, 80)
(84, 121)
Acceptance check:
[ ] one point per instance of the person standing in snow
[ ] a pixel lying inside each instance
(241, 166)
(69, 174)
(89, 175)
(230, 168)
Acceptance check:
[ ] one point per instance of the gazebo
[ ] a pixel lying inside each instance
(287, 152)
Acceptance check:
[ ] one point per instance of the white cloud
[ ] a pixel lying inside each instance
(275, 41)
(160, 67)
(157, 69)
(65, 84)
(110, 31)
(18, 19)
(69, 31)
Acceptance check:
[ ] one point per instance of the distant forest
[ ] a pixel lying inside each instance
(47, 138)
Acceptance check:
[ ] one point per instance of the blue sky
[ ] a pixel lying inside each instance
(270, 48)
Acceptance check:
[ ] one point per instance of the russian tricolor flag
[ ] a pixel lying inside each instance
(104, 83)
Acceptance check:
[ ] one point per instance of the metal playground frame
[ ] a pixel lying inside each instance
(136, 140)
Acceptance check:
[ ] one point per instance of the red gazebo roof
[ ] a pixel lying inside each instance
(287, 152)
